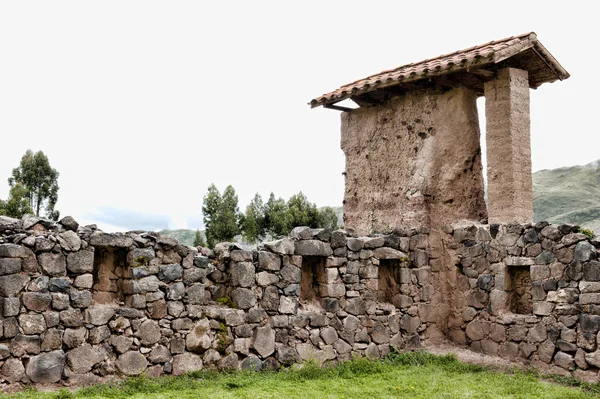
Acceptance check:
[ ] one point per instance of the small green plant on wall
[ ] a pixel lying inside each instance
(588, 232)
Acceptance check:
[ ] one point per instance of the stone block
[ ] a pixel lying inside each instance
(47, 367)
(80, 262)
(518, 261)
(132, 363)
(186, 363)
(542, 308)
(269, 261)
(284, 246)
(264, 341)
(312, 248)
(243, 274)
(12, 284)
(10, 266)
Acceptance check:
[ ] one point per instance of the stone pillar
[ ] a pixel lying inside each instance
(510, 194)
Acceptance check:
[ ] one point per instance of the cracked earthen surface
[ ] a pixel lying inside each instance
(413, 161)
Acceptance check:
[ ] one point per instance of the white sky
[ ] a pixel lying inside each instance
(140, 105)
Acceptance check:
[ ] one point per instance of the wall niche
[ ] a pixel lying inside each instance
(313, 274)
(109, 266)
(389, 281)
(519, 289)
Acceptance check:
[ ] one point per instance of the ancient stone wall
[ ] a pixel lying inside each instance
(79, 306)
(531, 293)
(413, 161)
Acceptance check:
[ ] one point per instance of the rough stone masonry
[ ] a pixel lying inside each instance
(80, 306)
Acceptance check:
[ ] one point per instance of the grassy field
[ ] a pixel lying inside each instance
(409, 375)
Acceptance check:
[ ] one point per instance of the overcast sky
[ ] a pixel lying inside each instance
(140, 105)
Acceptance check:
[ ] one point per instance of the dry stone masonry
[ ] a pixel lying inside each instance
(529, 292)
(80, 306)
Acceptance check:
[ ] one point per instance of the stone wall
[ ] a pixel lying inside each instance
(80, 306)
(531, 293)
(413, 161)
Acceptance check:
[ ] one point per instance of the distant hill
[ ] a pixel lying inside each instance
(568, 195)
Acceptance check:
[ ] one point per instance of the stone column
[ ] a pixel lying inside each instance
(510, 195)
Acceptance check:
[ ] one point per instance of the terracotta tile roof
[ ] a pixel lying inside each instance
(523, 51)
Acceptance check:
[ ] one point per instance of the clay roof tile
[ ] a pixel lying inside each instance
(476, 56)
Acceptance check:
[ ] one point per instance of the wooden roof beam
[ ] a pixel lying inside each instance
(338, 107)
(483, 73)
(448, 82)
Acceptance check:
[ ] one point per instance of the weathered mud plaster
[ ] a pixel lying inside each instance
(413, 161)
(510, 194)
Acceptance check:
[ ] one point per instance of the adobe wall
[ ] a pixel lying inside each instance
(80, 306)
(508, 141)
(413, 161)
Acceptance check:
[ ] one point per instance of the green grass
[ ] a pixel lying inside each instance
(407, 375)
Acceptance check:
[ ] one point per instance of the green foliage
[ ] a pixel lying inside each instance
(221, 215)
(253, 224)
(17, 204)
(588, 232)
(277, 218)
(222, 338)
(229, 217)
(274, 218)
(302, 212)
(225, 301)
(40, 180)
(199, 240)
(328, 218)
(210, 210)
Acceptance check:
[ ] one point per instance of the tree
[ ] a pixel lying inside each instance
(40, 180)
(277, 218)
(221, 215)
(210, 211)
(302, 212)
(17, 204)
(328, 218)
(199, 240)
(253, 224)
(229, 216)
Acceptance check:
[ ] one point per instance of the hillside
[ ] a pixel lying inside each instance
(568, 195)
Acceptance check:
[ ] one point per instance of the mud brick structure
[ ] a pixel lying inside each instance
(412, 147)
